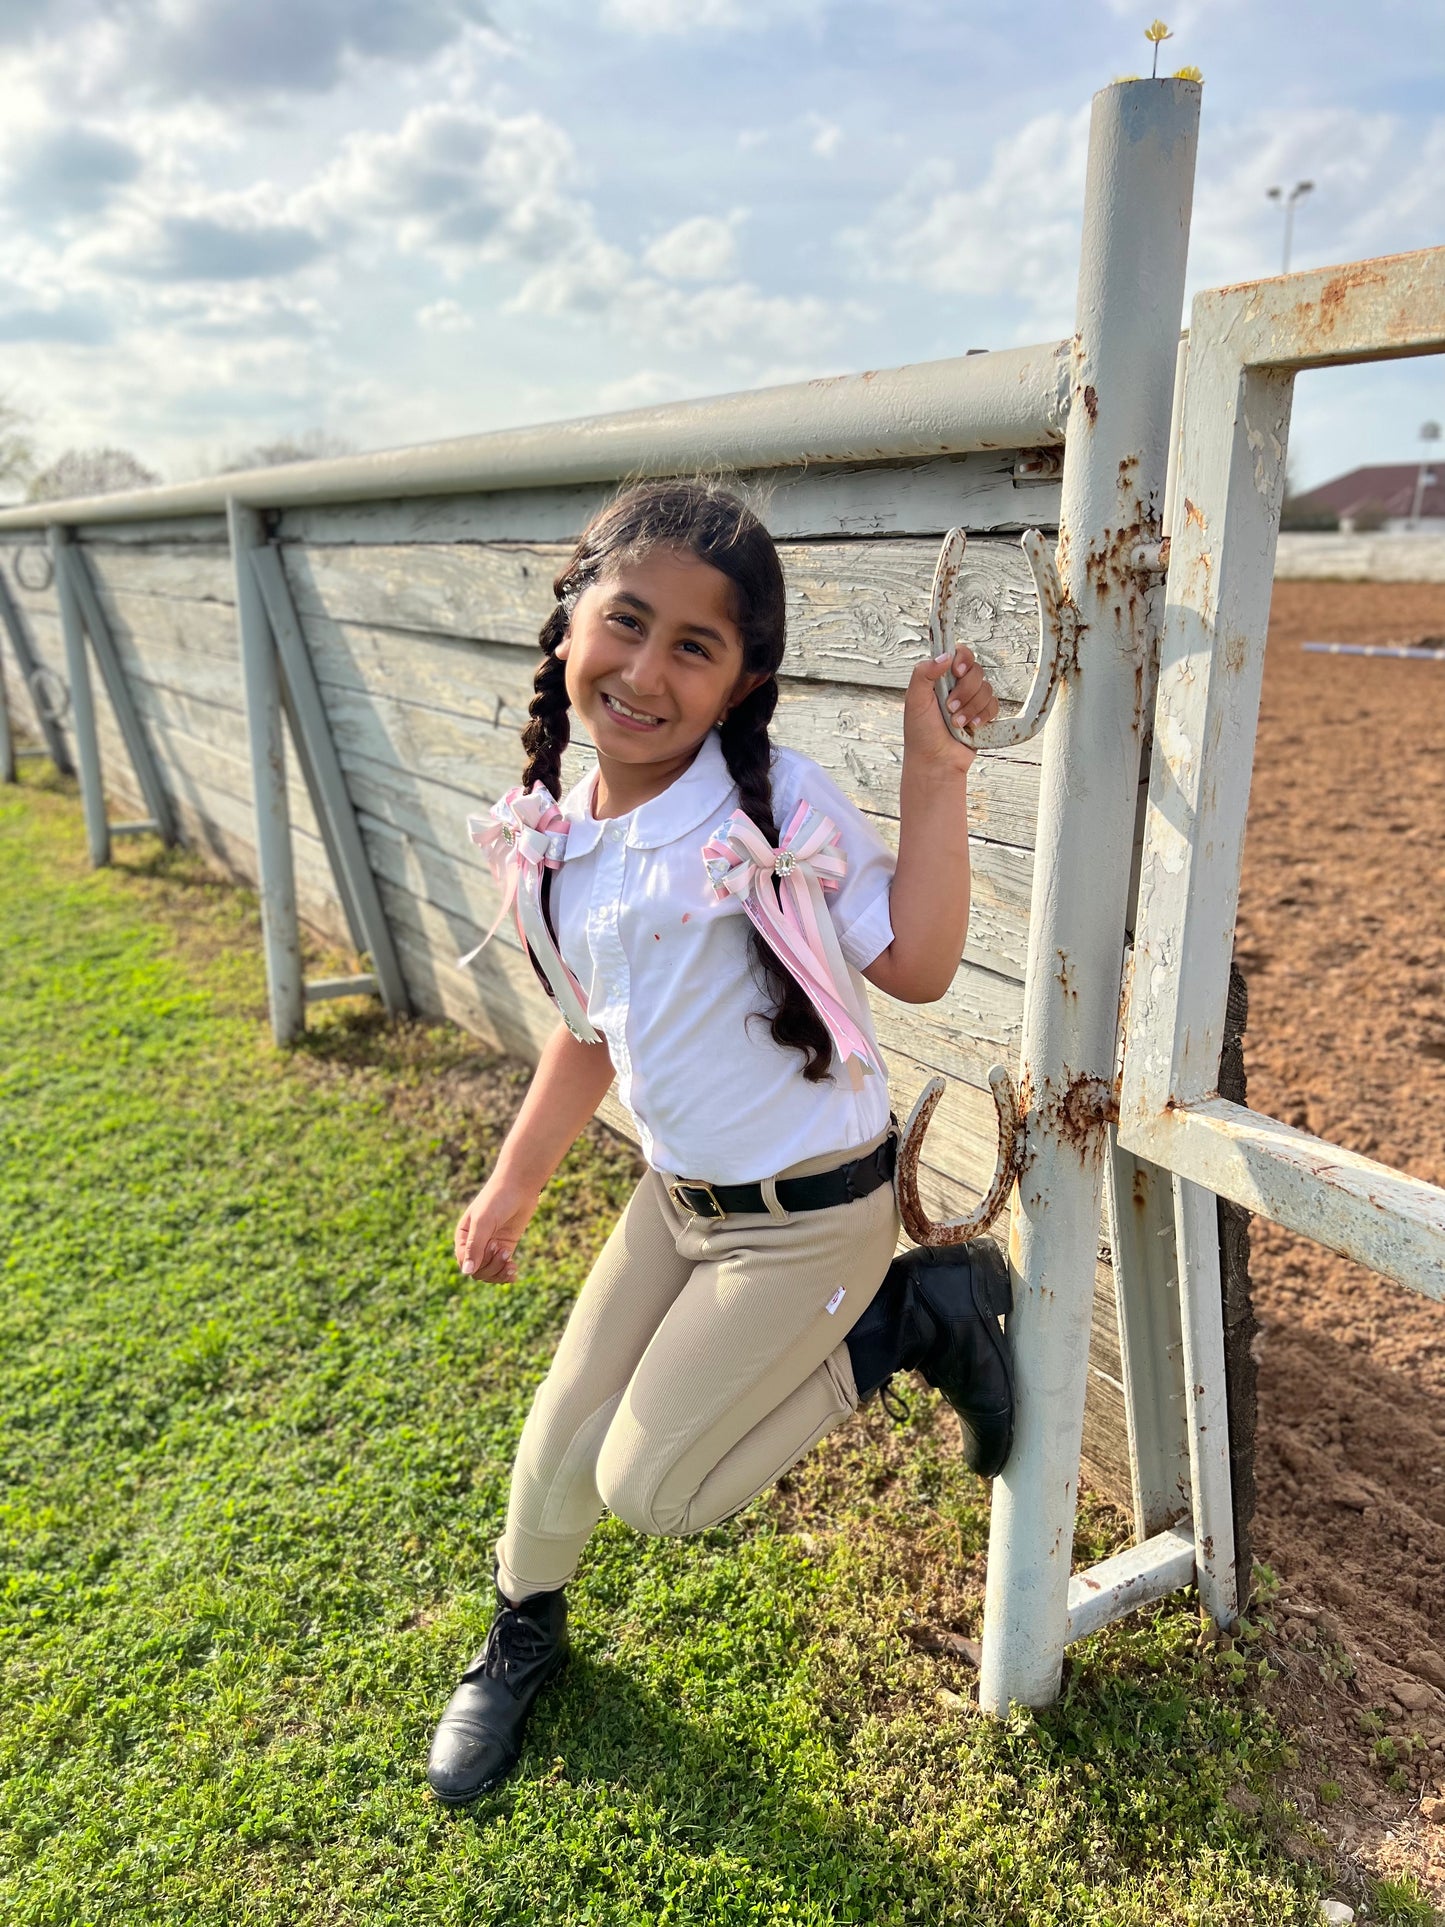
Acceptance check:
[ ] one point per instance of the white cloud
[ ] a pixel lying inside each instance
(1014, 233)
(685, 16)
(232, 49)
(642, 390)
(445, 317)
(827, 136)
(460, 184)
(1377, 190)
(702, 249)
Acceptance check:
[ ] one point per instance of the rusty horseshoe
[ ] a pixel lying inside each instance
(1058, 641)
(916, 1221)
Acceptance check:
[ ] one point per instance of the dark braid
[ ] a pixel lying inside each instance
(549, 730)
(698, 518)
(794, 1022)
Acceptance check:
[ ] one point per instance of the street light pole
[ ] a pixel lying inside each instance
(1429, 432)
(1296, 193)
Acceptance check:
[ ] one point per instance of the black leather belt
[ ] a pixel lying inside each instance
(840, 1186)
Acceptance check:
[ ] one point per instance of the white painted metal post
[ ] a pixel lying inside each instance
(1196, 1234)
(1131, 288)
(1246, 345)
(82, 702)
(1140, 1202)
(277, 877)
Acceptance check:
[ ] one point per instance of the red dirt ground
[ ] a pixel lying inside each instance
(1341, 934)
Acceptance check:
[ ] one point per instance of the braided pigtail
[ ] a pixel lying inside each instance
(549, 729)
(547, 733)
(794, 1023)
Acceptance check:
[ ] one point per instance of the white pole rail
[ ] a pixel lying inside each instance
(1246, 345)
(1015, 398)
(1131, 293)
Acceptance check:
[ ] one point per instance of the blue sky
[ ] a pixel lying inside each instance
(229, 220)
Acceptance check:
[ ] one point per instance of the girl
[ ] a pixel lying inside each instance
(700, 907)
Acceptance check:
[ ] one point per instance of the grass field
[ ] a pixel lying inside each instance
(255, 1433)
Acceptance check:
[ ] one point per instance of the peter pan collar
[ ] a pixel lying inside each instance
(692, 802)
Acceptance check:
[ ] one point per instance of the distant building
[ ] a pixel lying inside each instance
(1382, 498)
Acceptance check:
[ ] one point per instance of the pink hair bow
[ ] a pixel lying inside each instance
(523, 835)
(793, 919)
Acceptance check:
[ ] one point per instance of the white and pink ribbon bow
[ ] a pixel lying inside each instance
(523, 836)
(793, 920)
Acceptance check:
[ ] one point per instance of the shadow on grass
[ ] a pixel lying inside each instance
(618, 1758)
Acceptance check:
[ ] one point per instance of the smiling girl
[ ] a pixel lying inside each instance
(704, 907)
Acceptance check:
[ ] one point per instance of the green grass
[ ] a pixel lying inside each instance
(255, 1434)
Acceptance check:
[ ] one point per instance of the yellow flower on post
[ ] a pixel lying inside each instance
(1156, 31)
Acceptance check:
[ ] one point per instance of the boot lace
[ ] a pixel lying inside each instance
(513, 1644)
(893, 1402)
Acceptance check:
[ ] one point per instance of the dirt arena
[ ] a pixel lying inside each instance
(1341, 935)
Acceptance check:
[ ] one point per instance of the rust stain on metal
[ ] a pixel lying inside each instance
(1064, 975)
(1139, 1190)
(1337, 291)
(1193, 513)
(1091, 403)
(1079, 1113)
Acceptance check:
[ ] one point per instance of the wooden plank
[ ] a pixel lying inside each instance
(200, 628)
(469, 702)
(1105, 1457)
(855, 609)
(197, 772)
(198, 529)
(857, 736)
(206, 742)
(203, 677)
(38, 605)
(976, 492)
(187, 571)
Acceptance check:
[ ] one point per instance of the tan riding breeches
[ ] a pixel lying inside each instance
(702, 1358)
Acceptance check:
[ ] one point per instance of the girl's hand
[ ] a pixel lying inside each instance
(926, 739)
(488, 1230)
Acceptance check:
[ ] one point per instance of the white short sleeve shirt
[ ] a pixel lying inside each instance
(666, 973)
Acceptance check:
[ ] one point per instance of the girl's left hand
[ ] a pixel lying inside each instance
(927, 742)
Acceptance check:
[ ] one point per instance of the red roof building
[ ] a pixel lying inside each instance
(1390, 488)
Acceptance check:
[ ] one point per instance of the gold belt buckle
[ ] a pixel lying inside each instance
(683, 1204)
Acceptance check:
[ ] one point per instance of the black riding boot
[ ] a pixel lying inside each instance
(479, 1737)
(937, 1312)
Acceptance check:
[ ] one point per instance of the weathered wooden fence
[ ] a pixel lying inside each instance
(421, 618)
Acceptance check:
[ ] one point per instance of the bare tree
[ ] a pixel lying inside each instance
(17, 450)
(309, 446)
(90, 471)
